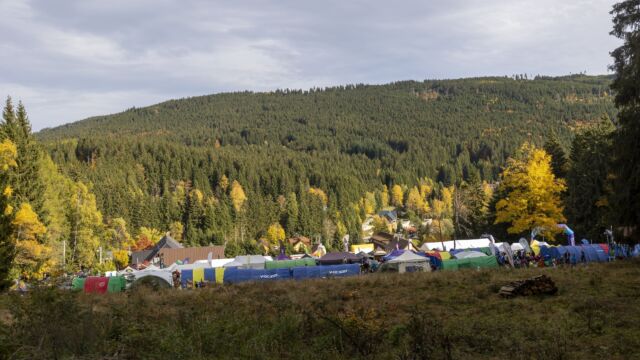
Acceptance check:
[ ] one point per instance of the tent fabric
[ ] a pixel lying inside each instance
(603, 256)
(96, 284)
(198, 275)
(336, 258)
(605, 247)
(590, 253)
(517, 247)
(393, 254)
(186, 276)
(78, 283)
(236, 275)
(328, 271)
(483, 250)
(408, 256)
(287, 264)
(456, 244)
(220, 275)
(470, 263)
(356, 248)
(468, 254)
(210, 274)
(116, 284)
(248, 262)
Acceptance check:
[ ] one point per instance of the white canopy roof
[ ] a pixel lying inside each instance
(517, 247)
(469, 254)
(456, 244)
(244, 260)
(408, 256)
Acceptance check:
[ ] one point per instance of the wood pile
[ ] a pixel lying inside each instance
(534, 286)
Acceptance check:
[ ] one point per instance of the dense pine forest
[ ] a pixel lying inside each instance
(223, 168)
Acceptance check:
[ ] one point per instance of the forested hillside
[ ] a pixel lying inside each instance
(225, 167)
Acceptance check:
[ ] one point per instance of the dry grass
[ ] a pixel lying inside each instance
(411, 316)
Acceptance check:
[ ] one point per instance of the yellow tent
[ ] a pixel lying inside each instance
(362, 247)
(198, 275)
(219, 275)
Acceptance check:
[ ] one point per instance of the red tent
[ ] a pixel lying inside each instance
(96, 284)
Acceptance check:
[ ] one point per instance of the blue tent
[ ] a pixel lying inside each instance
(393, 254)
(602, 255)
(575, 253)
(590, 253)
(235, 275)
(326, 271)
(548, 252)
(210, 274)
(186, 275)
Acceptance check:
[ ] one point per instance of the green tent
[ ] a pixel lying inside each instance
(116, 284)
(484, 262)
(77, 284)
(286, 264)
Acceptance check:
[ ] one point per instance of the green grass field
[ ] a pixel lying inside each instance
(596, 314)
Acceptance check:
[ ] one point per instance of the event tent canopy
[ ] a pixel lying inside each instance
(249, 262)
(469, 254)
(339, 258)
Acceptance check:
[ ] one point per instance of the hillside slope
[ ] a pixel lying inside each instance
(343, 140)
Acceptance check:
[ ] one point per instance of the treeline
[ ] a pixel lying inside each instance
(247, 170)
(346, 141)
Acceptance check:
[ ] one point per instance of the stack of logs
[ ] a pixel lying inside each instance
(537, 285)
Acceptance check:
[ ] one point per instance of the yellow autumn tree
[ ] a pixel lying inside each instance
(532, 193)
(320, 194)
(238, 197)
(384, 197)
(369, 203)
(176, 229)
(447, 199)
(397, 195)
(275, 233)
(416, 202)
(33, 258)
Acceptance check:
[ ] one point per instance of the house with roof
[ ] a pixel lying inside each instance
(299, 243)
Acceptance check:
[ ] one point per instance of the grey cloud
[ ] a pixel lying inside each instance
(72, 59)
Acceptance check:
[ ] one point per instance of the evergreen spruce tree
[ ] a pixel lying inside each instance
(587, 205)
(626, 26)
(559, 163)
(26, 181)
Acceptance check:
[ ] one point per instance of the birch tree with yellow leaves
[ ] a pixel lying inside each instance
(532, 193)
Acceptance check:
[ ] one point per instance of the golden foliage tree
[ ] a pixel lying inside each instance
(275, 233)
(238, 197)
(532, 193)
(176, 229)
(33, 258)
(384, 197)
(320, 194)
(416, 202)
(397, 195)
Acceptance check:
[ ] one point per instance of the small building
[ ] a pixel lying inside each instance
(300, 243)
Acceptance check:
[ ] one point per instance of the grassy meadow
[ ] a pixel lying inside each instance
(444, 315)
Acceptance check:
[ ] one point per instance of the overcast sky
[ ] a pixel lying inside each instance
(68, 60)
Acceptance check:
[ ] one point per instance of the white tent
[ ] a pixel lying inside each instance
(408, 256)
(249, 262)
(517, 247)
(160, 274)
(469, 254)
(455, 244)
(407, 262)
